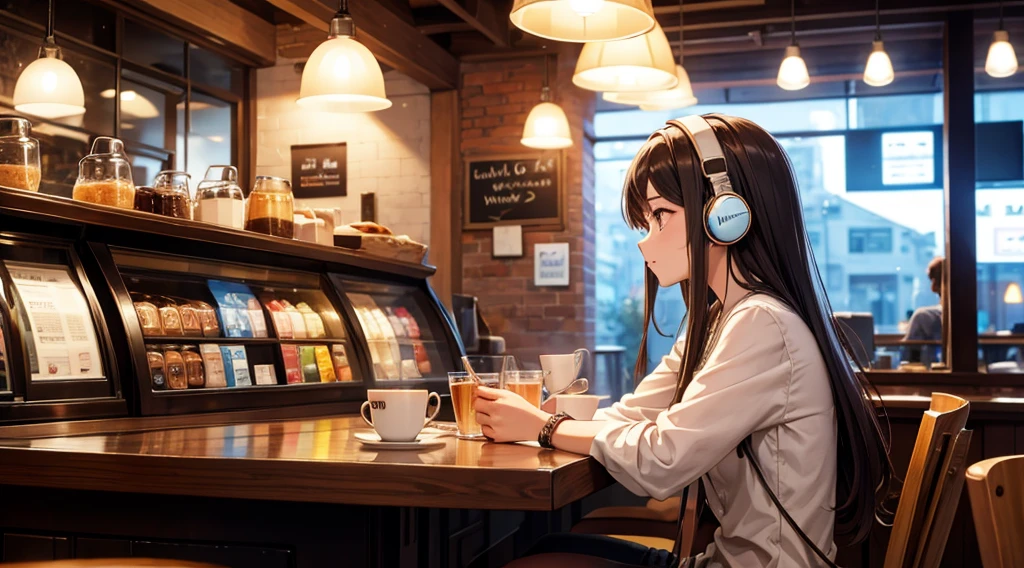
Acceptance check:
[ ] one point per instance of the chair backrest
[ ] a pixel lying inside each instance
(996, 487)
(932, 486)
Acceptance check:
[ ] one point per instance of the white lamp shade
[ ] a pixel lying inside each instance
(793, 74)
(1013, 294)
(642, 63)
(547, 128)
(878, 72)
(342, 76)
(583, 20)
(50, 88)
(1002, 60)
(680, 96)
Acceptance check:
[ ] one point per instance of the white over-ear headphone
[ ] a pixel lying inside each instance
(727, 215)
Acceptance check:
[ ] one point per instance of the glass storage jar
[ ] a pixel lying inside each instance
(19, 154)
(270, 208)
(105, 175)
(171, 197)
(219, 199)
(144, 198)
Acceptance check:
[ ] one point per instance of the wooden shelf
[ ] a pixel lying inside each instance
(242, 340)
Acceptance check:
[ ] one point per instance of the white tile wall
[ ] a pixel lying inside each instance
(388, 151)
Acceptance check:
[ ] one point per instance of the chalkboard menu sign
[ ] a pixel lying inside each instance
(319, 170)
(522, 189)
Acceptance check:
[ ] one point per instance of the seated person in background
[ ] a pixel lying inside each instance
(926, 322)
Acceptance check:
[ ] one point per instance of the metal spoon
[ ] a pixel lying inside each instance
(579, 386)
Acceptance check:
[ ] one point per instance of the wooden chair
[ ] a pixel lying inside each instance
(996, 488)
(113, 563)
(932, 487)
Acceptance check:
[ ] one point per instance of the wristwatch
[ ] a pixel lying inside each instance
(544, 438)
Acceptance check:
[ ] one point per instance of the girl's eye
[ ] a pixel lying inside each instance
(659, 216)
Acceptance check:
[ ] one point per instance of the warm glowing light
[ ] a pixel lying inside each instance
(586, 8)
(547, 128)
(878, 72)
(680, 96)
(1002, 60)
(793, 71)
(583, 21)
(1013, 294)
(342, 75)
(49, 87)
(643, 63)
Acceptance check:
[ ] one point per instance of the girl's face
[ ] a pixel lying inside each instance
(665, 247)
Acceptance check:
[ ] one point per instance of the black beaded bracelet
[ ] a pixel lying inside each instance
(544, 438)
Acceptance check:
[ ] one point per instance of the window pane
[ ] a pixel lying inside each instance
(146, 46)
(81, 20)
(208, 68)
(896, 110)
(209, 141)
(148, 111)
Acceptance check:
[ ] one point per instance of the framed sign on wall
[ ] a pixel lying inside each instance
(320, 170)
(516, 189)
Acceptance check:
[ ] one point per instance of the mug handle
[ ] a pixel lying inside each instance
(362, 413)
(577, 362)
(437, 408)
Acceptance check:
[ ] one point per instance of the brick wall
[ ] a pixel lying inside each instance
(495, 99)
(388, 151)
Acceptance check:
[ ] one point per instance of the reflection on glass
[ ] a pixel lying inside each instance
(208, 68)
(146, 110)
(146, 46)
(209, 141)
(81, 20)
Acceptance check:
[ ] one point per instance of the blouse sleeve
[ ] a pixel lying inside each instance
(743, 388)
(652, 396)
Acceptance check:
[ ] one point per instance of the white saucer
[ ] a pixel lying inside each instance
(423, 441)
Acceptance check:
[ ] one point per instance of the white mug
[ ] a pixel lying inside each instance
(579, 406)
(398, 415)
(562, 370)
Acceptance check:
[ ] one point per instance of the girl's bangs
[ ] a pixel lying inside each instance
(635, 206)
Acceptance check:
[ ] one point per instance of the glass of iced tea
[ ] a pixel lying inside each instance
(463, 388)
(527, 384)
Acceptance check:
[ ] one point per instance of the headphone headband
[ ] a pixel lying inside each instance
(712, 159)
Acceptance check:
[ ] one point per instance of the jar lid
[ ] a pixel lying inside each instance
(271, 184)
(15, 126)
(105, 150)
(172, 180)
(223, 185)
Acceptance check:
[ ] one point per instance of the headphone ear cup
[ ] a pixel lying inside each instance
(726, 218)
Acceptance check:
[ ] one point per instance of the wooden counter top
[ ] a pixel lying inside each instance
(305, 460)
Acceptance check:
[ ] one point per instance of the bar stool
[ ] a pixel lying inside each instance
(996, 488)
(113, 563)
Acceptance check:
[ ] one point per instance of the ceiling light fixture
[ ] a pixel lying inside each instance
(878, 72)
(582, 21)
(793, 74)
(1002, 60)
(680, 96)
(642, 63)
(547, 127)
(342, 75)
(49, 87)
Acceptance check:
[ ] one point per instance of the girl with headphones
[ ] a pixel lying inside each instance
(758, 398)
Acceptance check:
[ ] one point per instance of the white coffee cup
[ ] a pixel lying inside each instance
(579, 406)
(562, 370)
(398, 415)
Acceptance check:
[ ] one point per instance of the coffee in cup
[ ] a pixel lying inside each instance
(399, 415)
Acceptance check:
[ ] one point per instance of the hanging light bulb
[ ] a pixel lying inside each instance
(49, 87)
(1013, 294)
(878, 71)
(342, 75)
(793, 74)
(581, 21)
(643, 63)
(547, 127)
(680, 96)
(1002, 60)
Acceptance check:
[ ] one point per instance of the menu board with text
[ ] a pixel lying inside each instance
(60, 334)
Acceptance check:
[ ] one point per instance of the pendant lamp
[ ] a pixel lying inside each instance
(642, 63)
(878, 72)
(547, 127)
(342, 75)
(680, 96)
(581, 21)
(1013, 294)
(793, 74)
(49, 87)
(1002, 60)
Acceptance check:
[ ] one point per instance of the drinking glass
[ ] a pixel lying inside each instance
(463, 390)
(527, 384)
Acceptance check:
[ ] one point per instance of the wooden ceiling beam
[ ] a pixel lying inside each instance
(488, 17)
(392, 40)
(435, 28)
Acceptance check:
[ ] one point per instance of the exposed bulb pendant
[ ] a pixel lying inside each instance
(342, 75)
(643, 63)
(878, 71)
(1002, 60)
(793, 74)
(49, 87)
(581, 21)
(547, 127)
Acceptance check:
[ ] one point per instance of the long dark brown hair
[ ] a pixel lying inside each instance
(774, 258)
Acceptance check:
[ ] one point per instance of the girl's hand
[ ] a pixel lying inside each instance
(504, 416)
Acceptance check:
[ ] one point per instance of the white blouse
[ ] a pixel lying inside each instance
(765, 376)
